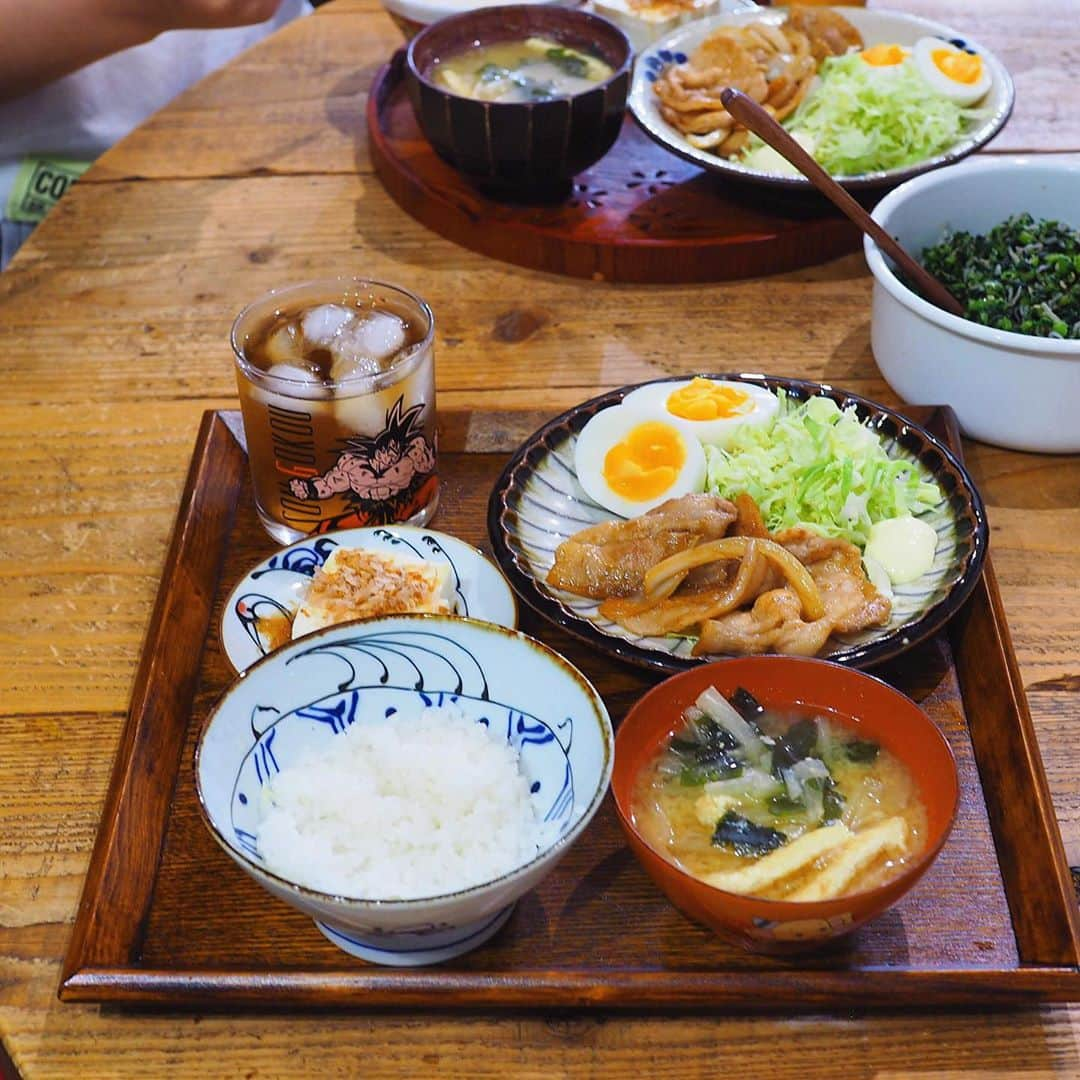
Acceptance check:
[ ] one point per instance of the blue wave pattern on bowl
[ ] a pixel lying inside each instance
(655, 62)
(387, 674)
(310, 691)
(299, 560)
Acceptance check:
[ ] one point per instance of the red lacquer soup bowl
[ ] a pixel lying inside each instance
(868, 707)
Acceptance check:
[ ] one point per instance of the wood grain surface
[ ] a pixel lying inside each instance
(113, 328)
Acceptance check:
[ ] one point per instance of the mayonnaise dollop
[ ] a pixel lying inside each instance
(904, 547)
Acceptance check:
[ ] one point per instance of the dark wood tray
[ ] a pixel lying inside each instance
(639, 214)
(167, 918)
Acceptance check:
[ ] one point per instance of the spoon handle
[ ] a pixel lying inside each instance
(751, 115)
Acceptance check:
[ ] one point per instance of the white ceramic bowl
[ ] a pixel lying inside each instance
(306, 693)
(412, 16)
(875, 26)
(1010, 389)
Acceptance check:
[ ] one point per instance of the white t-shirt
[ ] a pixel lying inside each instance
(83, 114)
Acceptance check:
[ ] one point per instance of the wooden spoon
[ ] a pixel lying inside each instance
(751, 115)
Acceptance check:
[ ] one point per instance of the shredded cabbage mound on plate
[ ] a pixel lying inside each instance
(818, 466)
(861, 118)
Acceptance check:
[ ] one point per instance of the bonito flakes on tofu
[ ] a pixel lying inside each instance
(356, 584)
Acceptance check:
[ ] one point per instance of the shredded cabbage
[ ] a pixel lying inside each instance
(861, 118)
(817, 465)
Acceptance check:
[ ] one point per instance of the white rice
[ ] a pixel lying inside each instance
(402, 808)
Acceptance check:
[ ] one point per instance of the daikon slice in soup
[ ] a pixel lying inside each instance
(536, 69)
(781, 805)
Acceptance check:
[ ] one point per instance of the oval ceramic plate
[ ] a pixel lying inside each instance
(275, 587)
(537, 503)
(875, 27)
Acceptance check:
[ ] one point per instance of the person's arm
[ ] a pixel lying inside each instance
(46, 39)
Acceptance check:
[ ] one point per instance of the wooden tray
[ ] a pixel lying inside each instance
(167, 918)
(639, 214)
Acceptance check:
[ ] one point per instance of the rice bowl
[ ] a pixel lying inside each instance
(303, 697)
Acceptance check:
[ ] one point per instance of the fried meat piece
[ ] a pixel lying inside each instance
(748, 520)
(773, 624)
(851, 601)
(771, 64)
(686, 610)
(828, 32)
(611, 559)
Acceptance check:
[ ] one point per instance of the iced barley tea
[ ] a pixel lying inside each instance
(337, 389)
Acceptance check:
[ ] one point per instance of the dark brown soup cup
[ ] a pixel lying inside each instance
(520, 150)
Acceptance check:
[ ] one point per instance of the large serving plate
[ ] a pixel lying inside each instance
(538, 503)
(874, 26)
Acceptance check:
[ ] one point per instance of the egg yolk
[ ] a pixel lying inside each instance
(961, 67)
(702, 399)
(884, 55)
(646, 463)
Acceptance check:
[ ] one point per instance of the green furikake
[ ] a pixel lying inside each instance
(1023, 275)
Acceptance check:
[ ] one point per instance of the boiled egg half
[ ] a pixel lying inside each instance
(884, 55)
(713, 408)
(954, 73)
(630, 460)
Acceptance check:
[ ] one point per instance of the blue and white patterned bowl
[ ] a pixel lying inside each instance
(538, 503)
(874, 26)
(310, 691)
(278, 584)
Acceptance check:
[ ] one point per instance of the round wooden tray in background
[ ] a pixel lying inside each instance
(640, 214)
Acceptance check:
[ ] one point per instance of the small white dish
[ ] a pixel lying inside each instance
(275, 587)
(1009, 389)
(412, 16)
(646, 25)
(875, 26)
(308, 692)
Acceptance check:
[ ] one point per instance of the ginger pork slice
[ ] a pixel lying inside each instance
(610, 559)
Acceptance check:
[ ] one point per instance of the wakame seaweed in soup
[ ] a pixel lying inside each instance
(536, 69)
(785, 806)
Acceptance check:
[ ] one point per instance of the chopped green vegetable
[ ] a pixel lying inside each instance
(696, 775)
(861, 751)
(833, 802)
(710, 752)
(796, 743)
(1023, 275)
(818, 465)
(569, 61)
(748, 707)
(744, 837)
(859, 122)
(786, 806)
(712, 734)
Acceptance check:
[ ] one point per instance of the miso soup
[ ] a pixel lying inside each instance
(782, 806)
(536, 69)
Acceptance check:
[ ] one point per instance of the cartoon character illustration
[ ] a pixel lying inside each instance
(385, 477)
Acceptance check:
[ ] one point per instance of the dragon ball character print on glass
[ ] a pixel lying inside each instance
(337, 389)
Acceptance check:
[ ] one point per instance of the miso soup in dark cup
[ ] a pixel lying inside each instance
(521, 98)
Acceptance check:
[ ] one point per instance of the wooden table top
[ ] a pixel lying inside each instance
(113, 340)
